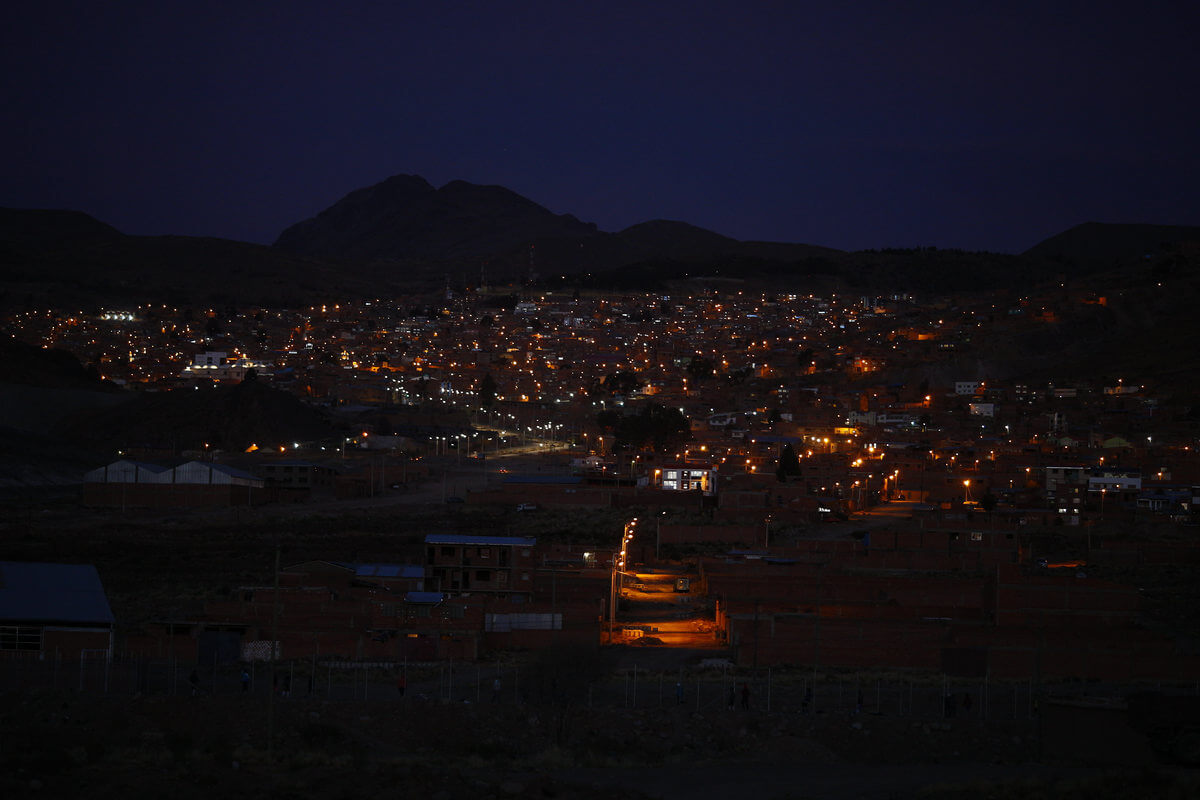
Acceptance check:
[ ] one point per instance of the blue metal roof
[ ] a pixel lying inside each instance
(388, 571)
(146, 465)
(462, 538)
(569, 480)
(38, 592)
(424, 597)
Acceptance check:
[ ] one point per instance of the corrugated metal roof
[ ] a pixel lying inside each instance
(462, 538)
(52, 593)
(233, 472)
(123, 468)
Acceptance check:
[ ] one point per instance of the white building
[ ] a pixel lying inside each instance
(218, 366)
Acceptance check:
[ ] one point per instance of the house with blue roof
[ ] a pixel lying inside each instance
(55, 610)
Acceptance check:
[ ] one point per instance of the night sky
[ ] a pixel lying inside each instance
(850, 125)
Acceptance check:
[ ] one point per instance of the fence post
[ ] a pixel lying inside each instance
(768, 690)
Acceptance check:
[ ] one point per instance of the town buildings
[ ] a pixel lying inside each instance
(801, 413)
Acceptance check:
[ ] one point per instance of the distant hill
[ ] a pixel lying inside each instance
(1098, 245)
(405, 217)
(25, 229)
(403, 235)
(67, 258)
(464, 226)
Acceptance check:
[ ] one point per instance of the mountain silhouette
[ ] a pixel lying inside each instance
(1099, 245)
(405, 217)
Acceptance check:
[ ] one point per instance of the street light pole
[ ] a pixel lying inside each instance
(612, 598)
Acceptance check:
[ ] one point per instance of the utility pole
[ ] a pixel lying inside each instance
(274, 646)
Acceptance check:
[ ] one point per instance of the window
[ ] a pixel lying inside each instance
(485, 552)
(447, 551)
(524, 576)
(483, 575)
(20, 637)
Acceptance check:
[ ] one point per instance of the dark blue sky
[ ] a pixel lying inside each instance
(851, 125)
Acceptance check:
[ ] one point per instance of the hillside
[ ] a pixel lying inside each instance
(774, 267)
(1100, 245)
(67, 259)
(404, 217)
(224, 417)
(405, 224)
(61, 420)
(404, 235)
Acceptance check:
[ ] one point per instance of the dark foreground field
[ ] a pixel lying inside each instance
(61, 744)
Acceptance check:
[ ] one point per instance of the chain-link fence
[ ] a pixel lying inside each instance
(722, 689)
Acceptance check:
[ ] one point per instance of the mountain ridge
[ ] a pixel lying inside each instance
(403, 235)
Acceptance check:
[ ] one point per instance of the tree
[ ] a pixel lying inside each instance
(655, 426)
(623, 382)
(988, 503)
(789, 463)
(487, 390)
(700, 368)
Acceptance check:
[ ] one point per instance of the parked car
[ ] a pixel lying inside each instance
(527, 507)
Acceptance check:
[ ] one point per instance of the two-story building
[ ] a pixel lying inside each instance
(463, 564)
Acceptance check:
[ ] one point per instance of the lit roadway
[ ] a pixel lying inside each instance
(650, 600)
